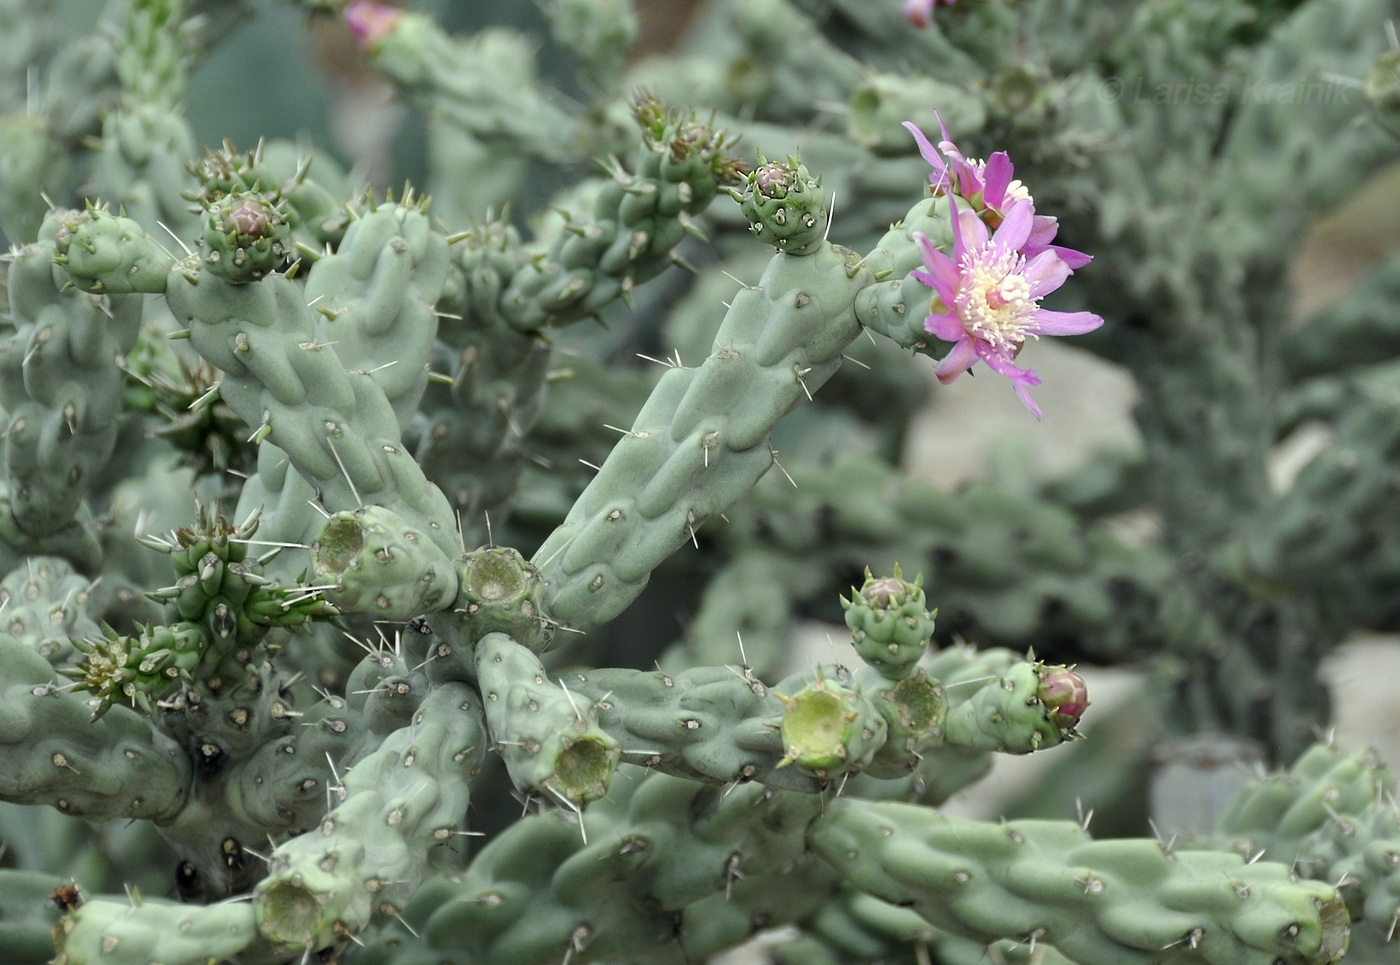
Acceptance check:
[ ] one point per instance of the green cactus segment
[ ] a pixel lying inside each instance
(1332, 816)
(548, 737)
(147, 142)
(785, 206)
(600, 34)
(701, 440)
(105, 253)
(379, 564)
(456, 84)
(281, 377)
(372, 851)
(898, 305)
(111, 932)
(60, 387)
(52, 752)
(1124, 902)
(890, 623)
(31, 168)
(654, 847)
(882, 103)
(998, 701)
(245, 236)
(377, 293)
(713, 724)
(28, 914)
(498, 591)
(589, 263)
(45, 606)
(830, 728)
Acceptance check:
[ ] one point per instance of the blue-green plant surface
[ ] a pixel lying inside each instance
(401, 561)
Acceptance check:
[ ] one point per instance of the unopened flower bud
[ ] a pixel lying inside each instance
(1064, 694)
(370, 22)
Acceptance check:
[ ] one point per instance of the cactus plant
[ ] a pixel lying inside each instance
(340, 522)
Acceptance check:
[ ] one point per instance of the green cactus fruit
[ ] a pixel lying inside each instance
(378, 564)
(890, 624)
(913, 708)
(245, 236)
(549, 738)
(785, 206)
(499, 592)
(828, 727)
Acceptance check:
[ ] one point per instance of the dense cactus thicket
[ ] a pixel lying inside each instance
(412, 576)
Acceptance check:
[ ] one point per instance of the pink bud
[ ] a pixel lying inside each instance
(1064, 694)
(370, 22)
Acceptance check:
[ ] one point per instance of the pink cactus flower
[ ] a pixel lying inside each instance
(987, 297)
(370, 22)
(991, 188)
(920, 12)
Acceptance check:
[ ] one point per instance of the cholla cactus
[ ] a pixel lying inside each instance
(430, 526)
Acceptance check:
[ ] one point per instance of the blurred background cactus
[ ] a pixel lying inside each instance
(434, 436)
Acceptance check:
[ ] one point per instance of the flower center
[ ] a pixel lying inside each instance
(994, 298)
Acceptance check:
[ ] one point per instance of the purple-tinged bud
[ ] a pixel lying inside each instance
(774, 179)
(370, 22)
(887, 592)
(1064, 694)
(251, 218)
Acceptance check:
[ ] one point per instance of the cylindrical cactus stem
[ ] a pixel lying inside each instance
(1332, 817)
(890, 624)
(714, 724)
(109, 931)
(600, 34)
(45, 604)
(1000, 701)
(372, 851)
(61, 388)
(105, 253)
(654, 847)
(701, 440)
(52, 752)
(29, 911)
(336, 427)
(448, 82)
(549, 737)
(377, 293)
(1120, 902)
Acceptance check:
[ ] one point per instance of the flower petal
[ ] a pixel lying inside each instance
(942, 274)
(1075, 259)
(1045, 272)
(995, 177)
(1016, 228)
(945, 325)
(957, 361)
(930, 154)
(1024, 394)
(1064, 323)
